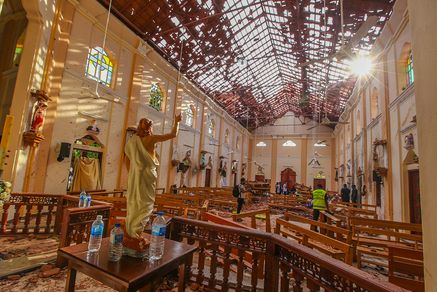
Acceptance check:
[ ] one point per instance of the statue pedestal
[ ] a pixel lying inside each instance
(136, 247)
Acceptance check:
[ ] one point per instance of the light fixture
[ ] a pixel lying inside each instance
(261, 144)
(319, 145)
(289, 143)
(361, 65)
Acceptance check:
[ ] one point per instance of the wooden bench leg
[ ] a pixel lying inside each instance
(71, 279)
(181, 286)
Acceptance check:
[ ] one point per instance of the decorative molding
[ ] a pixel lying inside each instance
(374, 121)
(408, 128)
(405, 94)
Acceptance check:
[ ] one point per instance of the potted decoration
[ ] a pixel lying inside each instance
(5, 193)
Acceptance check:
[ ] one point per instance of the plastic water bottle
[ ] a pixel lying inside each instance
(82, 199)
(88, 200)
(116, 243)
(96, 235)
(157, 238)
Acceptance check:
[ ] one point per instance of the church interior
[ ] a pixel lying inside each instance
(303, 159)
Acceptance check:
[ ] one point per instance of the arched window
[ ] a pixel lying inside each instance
(374, 107)
(227, 136)
(99, 67)
(156, 96)
(189, 116)
(211, 127)
(409, 69)
(237, 143)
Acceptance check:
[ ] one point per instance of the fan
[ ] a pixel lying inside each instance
(327, 122)
(87, 93)
(346, 49)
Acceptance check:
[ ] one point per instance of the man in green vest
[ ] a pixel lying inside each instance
(320, 201)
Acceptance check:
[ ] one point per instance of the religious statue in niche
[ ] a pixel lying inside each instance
(234, 166)
(202, 159)
(92, 128)
(222, 171)
(409, 141)
(38, 116)
(209, 164)
(183, 167)
(349, 169)
(243, 169)
(142, 164)
(33, 136)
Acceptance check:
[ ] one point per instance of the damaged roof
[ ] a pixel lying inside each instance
(257, 58)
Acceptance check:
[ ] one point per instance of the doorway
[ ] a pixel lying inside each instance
(208, 177)
(288, 176)
(319, 181)
(414, 194)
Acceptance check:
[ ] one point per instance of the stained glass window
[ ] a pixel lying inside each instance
(189, 116)
(410, 69)
(99, 67)
(156, 97)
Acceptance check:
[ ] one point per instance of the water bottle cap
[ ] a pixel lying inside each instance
(161, 213)
(99, 217)
(117, 225)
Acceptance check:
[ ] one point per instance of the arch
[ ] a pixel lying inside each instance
(374, 103)
(405, 71)
(99, 66)
(156, 96)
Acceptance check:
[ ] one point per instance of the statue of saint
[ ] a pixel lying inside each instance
(141, 162)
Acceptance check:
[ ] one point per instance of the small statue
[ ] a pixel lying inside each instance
(409, 142)
(142, 163)
(38, 116)
(184, 166)
(93, 128)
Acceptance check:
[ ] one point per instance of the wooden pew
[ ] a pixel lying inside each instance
(374, 237)
(335, 248)
(405, 268)
(332, 231)
(369, 207)
(253, 217)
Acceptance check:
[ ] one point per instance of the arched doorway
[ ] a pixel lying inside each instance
(12, 34)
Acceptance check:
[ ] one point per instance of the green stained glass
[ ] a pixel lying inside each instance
(410, 69)
(156, 97)
(99, 67)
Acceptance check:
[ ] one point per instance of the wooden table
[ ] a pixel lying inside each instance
(129, 274)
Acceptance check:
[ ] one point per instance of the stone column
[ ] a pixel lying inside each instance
(423, 19)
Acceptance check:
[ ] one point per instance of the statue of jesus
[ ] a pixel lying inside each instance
(141, 163)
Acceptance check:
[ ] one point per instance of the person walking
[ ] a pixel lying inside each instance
(345, 194)
(240, 195)
(320, 201)
(354, 194)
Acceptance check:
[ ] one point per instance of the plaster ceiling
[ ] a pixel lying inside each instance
(246, 55)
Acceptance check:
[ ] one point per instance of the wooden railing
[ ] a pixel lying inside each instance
(254, 215)
(289, 265)
(35, 213)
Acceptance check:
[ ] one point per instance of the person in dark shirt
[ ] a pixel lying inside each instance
(354, 194)
(345, 194)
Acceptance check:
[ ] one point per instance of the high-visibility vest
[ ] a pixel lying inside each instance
(319, 202)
